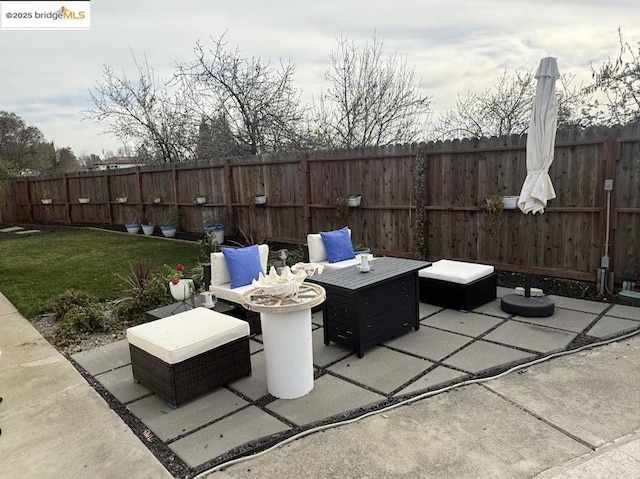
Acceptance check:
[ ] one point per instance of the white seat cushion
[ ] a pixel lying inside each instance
(456, 271)
(224, 291)
(185, 335)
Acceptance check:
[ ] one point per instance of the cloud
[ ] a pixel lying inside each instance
(455, 46)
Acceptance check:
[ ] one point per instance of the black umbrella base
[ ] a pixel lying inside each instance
(534, 307)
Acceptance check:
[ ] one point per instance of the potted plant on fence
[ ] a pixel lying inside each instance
(200, 199)
(259, 199)
(354, 201)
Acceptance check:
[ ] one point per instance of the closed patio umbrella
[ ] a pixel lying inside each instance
(537, 188)
(541, 139)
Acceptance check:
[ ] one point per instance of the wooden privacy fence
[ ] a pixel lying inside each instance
(424, 200)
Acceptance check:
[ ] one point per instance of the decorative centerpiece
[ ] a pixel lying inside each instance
(310, 269)
(285, 285)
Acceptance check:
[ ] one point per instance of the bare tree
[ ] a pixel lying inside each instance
(372, 99)
(505, 108)
(146, 112)
(618, 83)
(258, 101)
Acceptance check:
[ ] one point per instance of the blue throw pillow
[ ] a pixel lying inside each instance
(243, 265)
(338, 245)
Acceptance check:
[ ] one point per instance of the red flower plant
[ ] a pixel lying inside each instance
(178, 274)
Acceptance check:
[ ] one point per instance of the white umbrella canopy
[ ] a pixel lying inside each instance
(537, 188)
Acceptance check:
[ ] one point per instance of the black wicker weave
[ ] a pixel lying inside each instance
(463, 297)
(180, 382)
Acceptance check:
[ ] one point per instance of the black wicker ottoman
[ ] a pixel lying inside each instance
(183, 356)
(457, 285)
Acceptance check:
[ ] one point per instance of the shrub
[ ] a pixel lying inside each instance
(77, 321)
(68, 300)
(131, 310)
(138, 277)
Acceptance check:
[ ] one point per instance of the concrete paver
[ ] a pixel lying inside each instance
(438, 377)
(517, 426)
(430, 343)
(469, 324)
(566, 319)
(609, 327)
(579, 304)
(233, 431)
(105, 358)
(120, 383)
(531, 336)
(622, 311)
(481, 357)
(167, 423)
(392, 370)
(329, 397)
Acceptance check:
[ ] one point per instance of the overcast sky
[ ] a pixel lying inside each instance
(455, 46)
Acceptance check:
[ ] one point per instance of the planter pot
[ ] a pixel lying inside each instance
(46, 201)
(122, 199)
(84, 200)
(200, 200)
(182, 290)
(169, 231)
(148, 229)
(354, 201)
(217, 232)
(259, 200)
(510, 202)
(362, 251)
(157, 200)
(133, 228)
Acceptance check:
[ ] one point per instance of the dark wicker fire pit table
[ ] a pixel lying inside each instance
(365, 309)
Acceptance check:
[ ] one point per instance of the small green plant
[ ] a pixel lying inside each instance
(137, 278)
(295, 255)
(143, 295)
(342, 206)
(494, 209)
(78, 321)
(68, 300)
(207, 245)
(170, 217)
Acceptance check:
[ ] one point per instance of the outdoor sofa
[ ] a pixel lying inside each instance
(231, 274)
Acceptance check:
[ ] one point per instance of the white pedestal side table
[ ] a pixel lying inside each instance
(286, 335)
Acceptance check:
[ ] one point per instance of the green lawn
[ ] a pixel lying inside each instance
(34, 269)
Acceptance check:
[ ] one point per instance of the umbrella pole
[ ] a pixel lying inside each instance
(527, 278)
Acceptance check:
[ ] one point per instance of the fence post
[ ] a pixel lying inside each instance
(306, 192)
(611, 151)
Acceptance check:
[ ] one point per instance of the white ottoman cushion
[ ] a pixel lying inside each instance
(185, 335)
(456, 271)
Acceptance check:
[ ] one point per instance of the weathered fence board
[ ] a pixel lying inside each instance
(445, 215)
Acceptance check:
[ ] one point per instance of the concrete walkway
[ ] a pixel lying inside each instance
(54, 424)
(573, 416)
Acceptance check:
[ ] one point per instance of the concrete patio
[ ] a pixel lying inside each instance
(450, 347)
